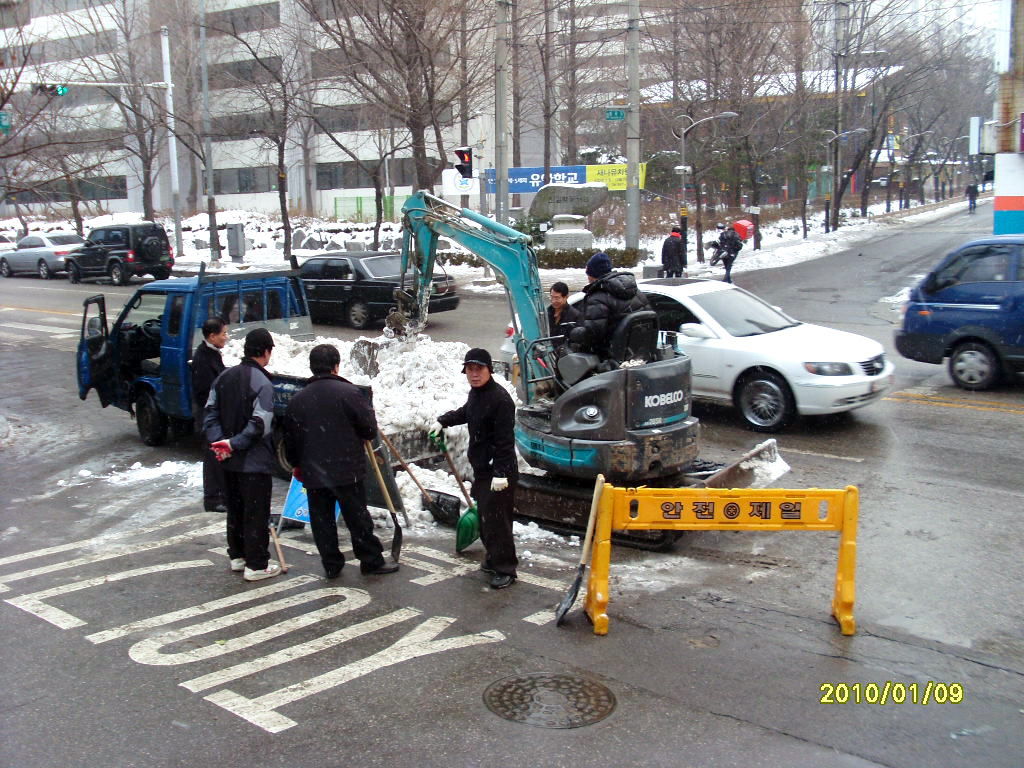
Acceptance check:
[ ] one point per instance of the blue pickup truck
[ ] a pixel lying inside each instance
(140, 364)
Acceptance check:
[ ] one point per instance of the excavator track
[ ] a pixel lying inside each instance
(563, 505)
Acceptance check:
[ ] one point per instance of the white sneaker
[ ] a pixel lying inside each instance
(272, 569)
(238, 564)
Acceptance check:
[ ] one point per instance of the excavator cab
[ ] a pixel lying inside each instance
(635, 339)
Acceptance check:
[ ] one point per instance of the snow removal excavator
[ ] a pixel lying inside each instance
(626, 416)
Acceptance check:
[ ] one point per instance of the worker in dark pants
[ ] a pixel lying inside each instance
(490, 415)
(207, 365)
(238, 424)
(325, 426)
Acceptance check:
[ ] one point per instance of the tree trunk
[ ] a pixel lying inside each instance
(282, 198)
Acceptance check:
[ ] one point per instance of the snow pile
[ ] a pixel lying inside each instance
(189, 475)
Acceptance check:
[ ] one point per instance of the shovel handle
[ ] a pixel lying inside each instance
(458, 478)
(401, 461)
(277, 548)
(380, 479)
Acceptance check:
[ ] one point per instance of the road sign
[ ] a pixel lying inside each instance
(615, 114)
(5, 123)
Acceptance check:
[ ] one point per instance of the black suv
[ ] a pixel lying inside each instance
(119, 251)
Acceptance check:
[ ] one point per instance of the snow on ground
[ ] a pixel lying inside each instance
(418, 381)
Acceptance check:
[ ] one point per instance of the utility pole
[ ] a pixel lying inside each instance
(172, 144)
(837, 170)
(500, 113)
(211, 203)
(633, 127)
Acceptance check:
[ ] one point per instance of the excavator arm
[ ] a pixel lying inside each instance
(427, 218)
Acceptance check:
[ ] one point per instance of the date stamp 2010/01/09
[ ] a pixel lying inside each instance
(891, 692)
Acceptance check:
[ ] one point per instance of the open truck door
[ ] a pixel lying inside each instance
(95, 355)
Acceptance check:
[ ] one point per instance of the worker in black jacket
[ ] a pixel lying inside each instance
(562, 316)
(490, 415)
(239, 426)
(673, 254)
(324, 429)
(207, 365)
(608, 297)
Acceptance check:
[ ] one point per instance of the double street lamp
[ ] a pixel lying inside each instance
(682, 168)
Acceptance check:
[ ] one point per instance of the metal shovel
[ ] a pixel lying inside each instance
(396, 540)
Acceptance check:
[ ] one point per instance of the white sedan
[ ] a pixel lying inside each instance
(752, 355)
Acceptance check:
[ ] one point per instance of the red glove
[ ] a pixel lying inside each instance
(297, 474)
(221, 449)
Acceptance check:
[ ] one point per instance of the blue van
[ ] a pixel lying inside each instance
(970, 309)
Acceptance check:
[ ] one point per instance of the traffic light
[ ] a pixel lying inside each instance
(465, 164)
(51, 89)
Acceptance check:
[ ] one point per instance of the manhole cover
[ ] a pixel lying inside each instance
(549, 701)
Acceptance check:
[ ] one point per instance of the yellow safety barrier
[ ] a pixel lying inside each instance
(724, 509)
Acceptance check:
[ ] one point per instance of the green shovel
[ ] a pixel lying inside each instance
(467, 530)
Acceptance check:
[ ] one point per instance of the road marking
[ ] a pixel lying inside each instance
(198, 610)
(109, 555)
(33, 603)
(97, 541)
(540, 618)
(421, 641)
(299, 651)
(149, 651)
(51, 329)
(940, 402)
(822, 455)
(8, 308)
(527, 578)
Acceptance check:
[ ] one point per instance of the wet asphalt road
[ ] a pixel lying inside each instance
(716, 654)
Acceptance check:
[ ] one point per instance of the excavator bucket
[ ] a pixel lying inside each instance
(754, 469)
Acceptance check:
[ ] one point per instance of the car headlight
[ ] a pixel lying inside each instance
(829, 369)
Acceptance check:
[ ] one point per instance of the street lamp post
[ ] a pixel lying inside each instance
(836, 185)
(904, 191)
(683, 212)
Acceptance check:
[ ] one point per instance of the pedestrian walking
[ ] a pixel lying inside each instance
(673, 254)
(730, 245)
(207, 365)
(325, 426)
(490, 415)
(972, 197)
(608, 297)
(239, 427)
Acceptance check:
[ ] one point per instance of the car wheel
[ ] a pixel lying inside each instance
(5, 268)
(161, 274)
(151, 422)
(974, 366)
(74, 273)
(44, 270)
(118, 274)
(358, 315)
(764, 400)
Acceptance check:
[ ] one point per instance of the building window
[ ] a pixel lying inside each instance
(349, 175)
(236, 181)
(237, 74)
(246, 19)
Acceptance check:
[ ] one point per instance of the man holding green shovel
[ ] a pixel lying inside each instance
(490, 415)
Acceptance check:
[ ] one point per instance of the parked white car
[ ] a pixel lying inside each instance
(751, 355)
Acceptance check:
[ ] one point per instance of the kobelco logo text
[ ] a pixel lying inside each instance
(667, 398)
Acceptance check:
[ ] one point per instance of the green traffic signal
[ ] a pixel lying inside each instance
(61, 90)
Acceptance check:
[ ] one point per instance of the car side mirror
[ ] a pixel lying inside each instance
(88, 242)
(695, 331)
(93, 327)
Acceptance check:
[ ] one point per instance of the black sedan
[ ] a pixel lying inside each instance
(358, 287)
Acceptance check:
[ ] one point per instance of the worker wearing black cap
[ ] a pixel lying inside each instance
(238, 424)
(490, 415)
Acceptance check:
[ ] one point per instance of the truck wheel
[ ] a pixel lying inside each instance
(358, 315)
(151, 421)
(74, 273)
(974, 366)
(5, 268)
(284, 469)
(44, 270)
(765, 401)
(118, 274)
